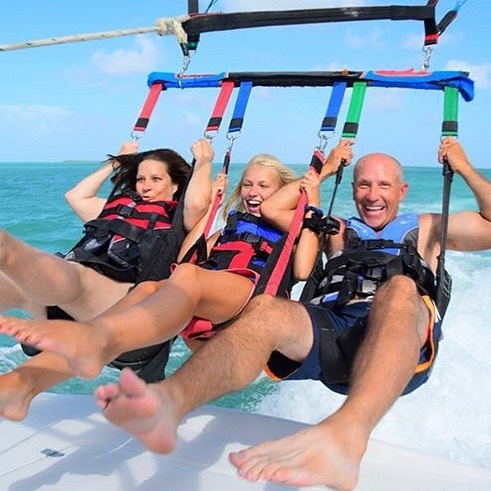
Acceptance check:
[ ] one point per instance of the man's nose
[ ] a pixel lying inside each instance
(373, 193)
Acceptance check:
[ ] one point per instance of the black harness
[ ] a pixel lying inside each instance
(131, 241)
(363, 266)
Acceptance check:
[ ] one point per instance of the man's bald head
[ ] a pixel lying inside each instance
(381, 159)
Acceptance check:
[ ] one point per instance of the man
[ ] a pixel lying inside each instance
(388, 325)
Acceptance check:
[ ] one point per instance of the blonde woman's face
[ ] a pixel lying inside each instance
(258, 184)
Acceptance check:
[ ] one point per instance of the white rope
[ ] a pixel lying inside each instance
(163, 27)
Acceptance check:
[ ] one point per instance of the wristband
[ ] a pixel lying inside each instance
(314, 210)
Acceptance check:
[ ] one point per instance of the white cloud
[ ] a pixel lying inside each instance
(371, 40)
(142, 59)
(20, 115)
(334, 66)
(192, 120)
(384, 100)
(33, 122)
(481, 74)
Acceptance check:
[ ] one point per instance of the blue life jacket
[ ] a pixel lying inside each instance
(403, 229)
(246, 242)
(371, 258)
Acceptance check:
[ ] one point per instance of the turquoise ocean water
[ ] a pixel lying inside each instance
(449, 416)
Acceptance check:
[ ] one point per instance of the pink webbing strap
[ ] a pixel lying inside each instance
(220, 106)
(294, 230)
(214, 125)
(276, 276)
(148, 107)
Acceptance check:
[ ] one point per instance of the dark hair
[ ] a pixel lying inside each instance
(127, 168)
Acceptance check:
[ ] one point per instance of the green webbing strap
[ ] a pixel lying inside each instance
(350, 129)
(450, 112)
(449, 128)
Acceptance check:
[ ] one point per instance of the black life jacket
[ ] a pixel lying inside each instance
(246, 242)
(369, 259)
(131, 240)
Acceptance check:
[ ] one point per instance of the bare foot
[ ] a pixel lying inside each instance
(140, 409)
(15, 397)
(324, 454)
(82, 345)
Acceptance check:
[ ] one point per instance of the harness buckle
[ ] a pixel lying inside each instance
(365, 286)
(377, 243)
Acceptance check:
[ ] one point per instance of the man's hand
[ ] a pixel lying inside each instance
(340, 154)
(451, 151)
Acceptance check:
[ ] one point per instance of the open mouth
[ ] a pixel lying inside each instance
(252, 205)
(374, 208)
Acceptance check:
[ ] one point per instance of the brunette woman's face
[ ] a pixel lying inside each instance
(153, 182)
(259, 183)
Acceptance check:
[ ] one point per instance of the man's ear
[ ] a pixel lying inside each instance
(403, 190)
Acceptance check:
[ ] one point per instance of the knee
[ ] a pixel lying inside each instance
(147, 287)
(184, 272)
(398, 287)
(263, 304)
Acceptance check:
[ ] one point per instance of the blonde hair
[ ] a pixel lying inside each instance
(285, 174)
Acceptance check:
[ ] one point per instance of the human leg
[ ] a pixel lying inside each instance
(191, 290)
(330, 452)
(36, 375)
(12, 297)
(228, 362)
(47, 279)
(19, 387)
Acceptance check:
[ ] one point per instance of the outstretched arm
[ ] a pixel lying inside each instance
(198, 193)
(219, 187)
(468, 231)
(83, 197)
(280, 206)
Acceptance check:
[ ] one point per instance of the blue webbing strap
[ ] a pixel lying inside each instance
(332, 113)
(240, 107)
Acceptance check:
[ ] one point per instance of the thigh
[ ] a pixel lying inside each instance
(97, 294)
(47, 279)
(336, 337)
(221, 295)
(41, 276)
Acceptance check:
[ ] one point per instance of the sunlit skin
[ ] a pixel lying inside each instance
(259, 183)
(378, 189)
(153, 183)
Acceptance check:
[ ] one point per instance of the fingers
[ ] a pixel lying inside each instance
(220, 183)
(341, 154)
(128, 148)
(202, 150)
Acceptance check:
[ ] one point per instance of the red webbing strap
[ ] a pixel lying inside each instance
(213, 125)
(220, 106)
(148, 107)
(212, 215)
(276, 276)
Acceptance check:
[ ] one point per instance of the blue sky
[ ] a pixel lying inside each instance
(81, 100)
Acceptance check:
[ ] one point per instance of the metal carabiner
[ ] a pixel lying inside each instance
(135, 136)
(428, 51)
(231, 137)
(323, 139)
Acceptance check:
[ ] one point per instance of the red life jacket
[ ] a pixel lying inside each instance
(126, 236)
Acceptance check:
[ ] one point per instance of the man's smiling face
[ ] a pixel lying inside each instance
(378, 189)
